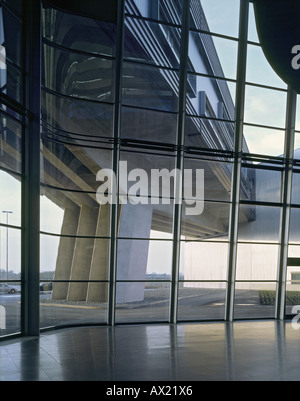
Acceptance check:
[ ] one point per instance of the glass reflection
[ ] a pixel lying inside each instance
(83, 76)
(148, 125)
(163, 10)
(221, 16)
(77, 116)
(150, 87)
(266, 185)
(294, 226)
(210, 98)
(264, 141)
(259, 223)
(167, 38)
(259, 71)
(79, 33)
(10, 144)
(223, 51)
(211, 224)
(265, 107)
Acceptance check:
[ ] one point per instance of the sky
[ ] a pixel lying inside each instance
(262, 107)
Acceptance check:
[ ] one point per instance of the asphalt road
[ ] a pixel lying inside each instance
(207, 304)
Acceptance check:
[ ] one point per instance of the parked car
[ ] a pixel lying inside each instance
(46, 287)
(8, 289)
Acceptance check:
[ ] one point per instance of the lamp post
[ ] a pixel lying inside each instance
(7, 213)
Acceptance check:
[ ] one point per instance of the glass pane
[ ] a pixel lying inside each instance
(68, 312)
(264, 141)
(164, 49)
(143, 260)
(294, 225)
(252, 32)
(10, 200)
(79, 33)
(148, 125)
(149, 162)
(263, 185)
(210, 97)
(77, 116)
(73, 167)
(150, 87)
(10, 253)
(203, 261)
(221, 16)
(294, 251)
(208, 134)
(16, 5)
(151, 302)
(292, 295)
(201, 301)
(259, 70)
(298, 115)
(257, 262)
(296, 188)
(71, 258)
(259, 223)
(216, 183)
(254, 300)
(11, 80)
(80, 76)
(11, 36)
(297, 145)
(212, 55)
(10, 308)
(265, 106)
(62, 213)
(74, 213)
(136, 220)
(161, 10)
(211, 224)
(10, 144)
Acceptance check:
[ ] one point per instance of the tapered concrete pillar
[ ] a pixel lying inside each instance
(132, 255)
(83, 253)
(65, 252)
(98, 292)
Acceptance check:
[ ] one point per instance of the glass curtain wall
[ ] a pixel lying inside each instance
(11, 164)
(164, 166)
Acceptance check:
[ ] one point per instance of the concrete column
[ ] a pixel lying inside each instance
(132, 255)
(83, 252)
(65, 252)
(98, 292)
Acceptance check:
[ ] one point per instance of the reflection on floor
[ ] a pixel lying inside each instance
(257, 350)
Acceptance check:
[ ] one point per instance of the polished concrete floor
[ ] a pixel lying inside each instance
(257, 350)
